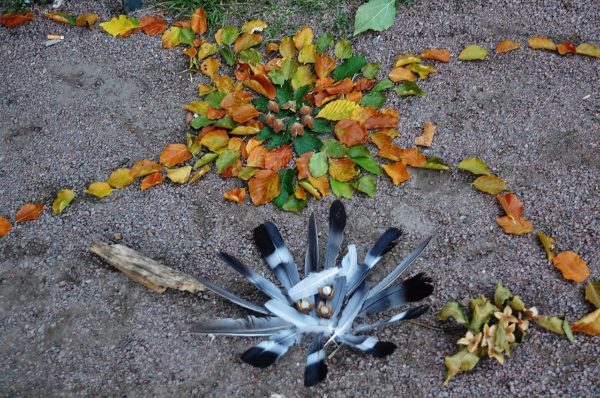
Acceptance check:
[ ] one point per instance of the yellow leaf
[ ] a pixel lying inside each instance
(548, 243)
(170, 38)
(210, 67)
(256, 25)
(206, 50)
(307, 54)
(99, 189)
(179, 175)
(338, 110)
(303, 37)
(287, 49)
(589, 324)
(121, 26)
(588, 49)
(473, 53)
(302, 77)
(120, 178)
(204, 89)
(199, 107)
(63, 198)
(406, 59)
(86, 20)
(491, 184)
(541, 43)
(244, 130)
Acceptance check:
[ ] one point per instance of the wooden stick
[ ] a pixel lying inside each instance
(144, 270)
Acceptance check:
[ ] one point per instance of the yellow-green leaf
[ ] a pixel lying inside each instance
(475, 166)
(63, 198)
(120, 26)
(200, 173)
(473, 53)
(206, 50)
(179, 175)
(541, 43)
(170, 37)
(99, 189)
(460, 362)
(120, 178)
(307, 54)
(343, 49)
(338, 110)
(592, 293)
(302, 77)
(548, 243)
(490, 184)
(588, 49)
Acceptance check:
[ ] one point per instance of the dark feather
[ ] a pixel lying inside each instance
(269, 351)
(233, 298)
(276, 254)
(414, 289)
(337, 224)
(311, 263)
(369, 345)
(250, 326)
(315, 370)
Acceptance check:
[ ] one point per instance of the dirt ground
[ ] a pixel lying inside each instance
(71, 113)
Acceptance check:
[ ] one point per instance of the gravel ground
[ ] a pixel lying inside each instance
(72, 113)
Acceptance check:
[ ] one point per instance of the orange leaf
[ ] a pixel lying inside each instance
(302, 164)
(513, 223)
(506, 46)
(354, 96)
(243, 112)
(256, 157)
(15, 19)
(210, 67)
(381, 121)
(324, 65)
(151, 180)
(343, 169)
(426, 138)
(350, 132)
(144, 167)
(264, 187)
(271, 47)
(413, 157)
(400, 73)
(566, 48)
(437, 54)
(237, 195)
(5, 227)
(363, 113)
(198, 21)
(572, 266)
(342, 87)
(589, 324)
(397, 172)
(246, 40)
(174, 154)
(152, 25)
(214, 113)
(300, 192)
(276, 159)
(183, 24)
(511, 205)
(262, 85)
(364, 84)
(390, 151)
(29, 212)
(381, 139)
(321, 183)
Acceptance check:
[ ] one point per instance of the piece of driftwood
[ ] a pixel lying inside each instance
(144, 270)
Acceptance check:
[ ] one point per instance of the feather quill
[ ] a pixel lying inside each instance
(410, 314)
(232, 297)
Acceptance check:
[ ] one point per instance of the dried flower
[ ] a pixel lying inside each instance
(471, 341)
(522, 324)
(531, 313)
(506, 317)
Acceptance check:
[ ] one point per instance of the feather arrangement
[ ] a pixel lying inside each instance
(329, 305)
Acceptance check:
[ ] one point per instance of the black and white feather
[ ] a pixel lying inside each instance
(329, 305)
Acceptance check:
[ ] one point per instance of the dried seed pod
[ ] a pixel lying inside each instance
(305, 110)
(297, 129)
(278, 125)
(304, 306)
(308, 121)
(273, 106)
(324, 310)
(326, 292)
(290, 105)
(269, 119)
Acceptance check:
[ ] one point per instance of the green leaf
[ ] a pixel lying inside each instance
(567, 330)
(318, 164)
(278, 140)
(368, 164)
(357, 151)
(63, 198)
(592, 293)
(193, 144)
(375, 15)
(307, 143)
(370, 70)
(284, 93)
(247, 172)
(474, 166)
(383, 84)
(551, 323)
(481, 310)
(299, 95)
(226, 122)
(473, 53)
(201, 121)
(226, 159)
(375, 99)
(227, 55)
(453, 310)
(409, 88)
(491, 184)
(285, 72)
(322, 126)
(365, 184)
(349, 67)
(502, 295)
(250, 56)
(294, 204)
(186, 36)
(286, 176)
(333, 148)
(516, 303)
(229, 35)
(324, 42)
(205, 159)
(260, 103)
(265, 133)
(340, 189)
(460, 362)
(434, 163)
(214, 99)
(343, 49)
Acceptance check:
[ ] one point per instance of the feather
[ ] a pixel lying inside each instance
(414, 289)
(337, 224)
(258, 280)
(339, 288)
(311, 284)
(315, 369)
(250, 326)
(269, 351)
(311, 262)
(410, 314)
(350, 262)
(368, 345)
(233, 298)
(404, 264)
(276, 254)
(291, 315)
(385, 243)
(350, 311)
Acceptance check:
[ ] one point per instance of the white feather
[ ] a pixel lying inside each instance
(350, 262)
(311, 284)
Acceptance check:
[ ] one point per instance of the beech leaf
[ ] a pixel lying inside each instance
(5, 227)
(99, 189)
(29, 212)
(592, 293)
(179, 175)
(375, 15)
(63, 198)
(121, 26)
(589, 324)
(474, 166)
(490, 184)
(473, 53)
(174, 154)
(341, 189)
(120, 178)
(151, 180)
(343, 49)
(338, 110)
(572, 266)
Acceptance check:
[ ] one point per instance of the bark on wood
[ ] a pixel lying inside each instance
(144, 270)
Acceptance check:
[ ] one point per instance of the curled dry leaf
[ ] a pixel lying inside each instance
(5, 227)
(63, 199)
(566, 48)
(264, 186)
(437, 54)
(592, 293)
(153, 25)
(589, 324)
(426, 139)
(397, 172)
(491, 184)
(151, 180)
(507, 45)
(513, 223)
(237, 195)
(198, 21)
(15, 19)
(99, 189)
(572, 266)
(174, 154)
(29, 212)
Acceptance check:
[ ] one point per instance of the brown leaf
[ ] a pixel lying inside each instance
(262, 85)
(343, 169)
(506, 46)
(437, 54)
(344, 86)
(572, 266)
(426, 138)
(400, 73)
(397, 172)
(381, 121)
(513, 223)
(198, 21)
(29, 212)
(145, 167)
(152, 25)
(5, 227)
(302, 164)
(174, 154)
(350, 132)
(245, 41)
(380, 139)
(321, 183)
(264, 187)
(324, 65)
(87, 20)
(589, 324)
(15, 19)
(151, 180)
(256, 157)
(237, 195)
(243, 112)
(276, 159)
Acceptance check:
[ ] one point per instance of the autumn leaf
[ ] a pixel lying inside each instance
(60, 17)
(237, 195)
(572, 266)
(29, 212)
(179, 175)
(350, 132)
(302, 164)
(473, 53)
(264, 186)
(422, 70)
(151, 180)
(324, 65)
(86, 20)
(144, 167)
(262, 85)
(338, 110)
(343, 169)
(460, 362)
(198, 21)
(548, 243)
(400, 73)
(245, 41)
(199, 174)
(381, 121)
(303, 77)
(253, 26)
(120, 178)
(276, 159)
(426, 139)
(303, 37)
(99, 189)
(592, 293)
(474, 166)
(397, 172)
(152, 25)
(243, 112)
(507, 45)
(566, 48)
(123, 26)
(541, 43)
(589, 324)
(588, 49)
(321, 184)
(174, 154)
(490, 184)
(5, 227)
(437, 54)
(15, 19)
(513, 223)
(63, 198)
(343, 49)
